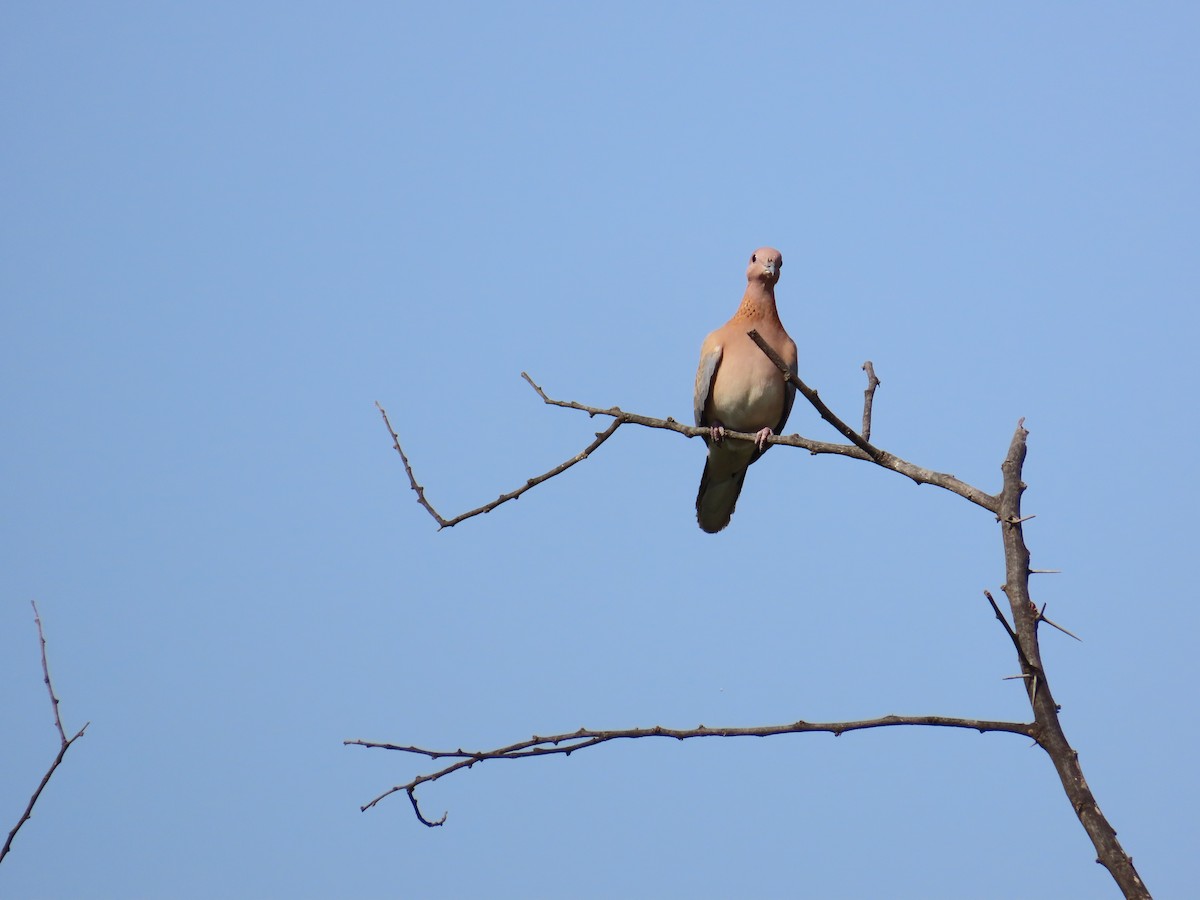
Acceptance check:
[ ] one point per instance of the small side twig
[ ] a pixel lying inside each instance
(64, 746)
(1012, 635)
(566, 744)
(869, 398)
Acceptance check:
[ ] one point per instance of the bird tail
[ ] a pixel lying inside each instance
(717, 498)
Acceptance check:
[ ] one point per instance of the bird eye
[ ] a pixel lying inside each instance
(753, 257)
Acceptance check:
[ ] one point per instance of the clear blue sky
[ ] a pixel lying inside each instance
(230, 228)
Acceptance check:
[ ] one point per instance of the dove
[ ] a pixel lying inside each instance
(740, 389)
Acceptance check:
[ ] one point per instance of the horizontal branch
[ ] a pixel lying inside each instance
(882, 458)
(566, 744)
(859, 448)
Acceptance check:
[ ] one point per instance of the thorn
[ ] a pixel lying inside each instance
(1045, 571)
(1059, 627)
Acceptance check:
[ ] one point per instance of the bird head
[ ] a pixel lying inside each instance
(765, 263)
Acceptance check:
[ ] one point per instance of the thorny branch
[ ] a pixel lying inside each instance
(566, 744)
(1045, 730)
(64, 746)
(1050, 735)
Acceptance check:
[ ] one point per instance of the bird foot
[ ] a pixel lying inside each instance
(760, 439)
(716, 432)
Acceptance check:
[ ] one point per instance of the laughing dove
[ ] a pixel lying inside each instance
(739, 388)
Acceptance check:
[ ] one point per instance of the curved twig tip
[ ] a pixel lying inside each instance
(412, 796)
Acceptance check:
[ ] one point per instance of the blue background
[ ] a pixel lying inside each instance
(230, 228)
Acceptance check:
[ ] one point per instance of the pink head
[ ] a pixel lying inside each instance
(765, 263)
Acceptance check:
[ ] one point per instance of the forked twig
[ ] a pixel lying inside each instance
(601, 437)
(64, 745)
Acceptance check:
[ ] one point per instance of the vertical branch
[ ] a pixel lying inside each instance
(1050, 735)
(869, 398)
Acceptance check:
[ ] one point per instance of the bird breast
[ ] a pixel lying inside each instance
(748, 398)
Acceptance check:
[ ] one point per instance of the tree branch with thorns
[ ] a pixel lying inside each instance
(1045, 729)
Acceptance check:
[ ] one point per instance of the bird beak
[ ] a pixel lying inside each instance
(771, 269)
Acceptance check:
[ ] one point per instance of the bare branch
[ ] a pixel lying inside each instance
(566, 744)
(601, 437)
(667, 424)
(1053, 740)
(882, 458)
(868, 450)
(64, 745)
(869, 398)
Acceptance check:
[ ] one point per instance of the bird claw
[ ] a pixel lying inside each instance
(716, 432)
(760, 439)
